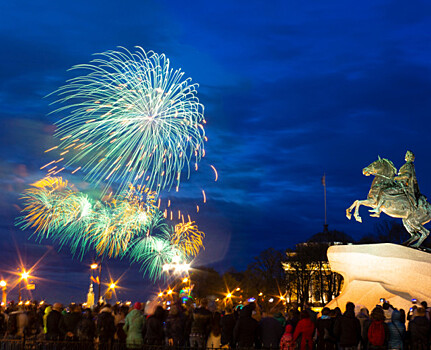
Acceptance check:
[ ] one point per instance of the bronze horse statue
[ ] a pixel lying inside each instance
(388, 196)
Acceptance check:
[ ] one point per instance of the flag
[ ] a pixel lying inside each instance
(324, 180)
(95, 280)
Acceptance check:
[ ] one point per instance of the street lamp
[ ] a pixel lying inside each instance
(23, 276)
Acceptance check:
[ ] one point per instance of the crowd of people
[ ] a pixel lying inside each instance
(244, 326)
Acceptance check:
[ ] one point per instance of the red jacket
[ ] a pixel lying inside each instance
(305, 330)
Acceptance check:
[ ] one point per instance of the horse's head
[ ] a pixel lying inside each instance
(380, 167)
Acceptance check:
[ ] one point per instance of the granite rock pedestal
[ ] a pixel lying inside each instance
(373, 271)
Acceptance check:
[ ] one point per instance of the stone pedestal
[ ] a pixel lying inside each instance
(373, 271)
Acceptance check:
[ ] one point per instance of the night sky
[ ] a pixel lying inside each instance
(291, 89)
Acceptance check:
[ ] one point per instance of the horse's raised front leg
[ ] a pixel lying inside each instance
(349, 210)
(367, 203)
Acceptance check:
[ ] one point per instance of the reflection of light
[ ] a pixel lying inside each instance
(3, 283)
(94, 266)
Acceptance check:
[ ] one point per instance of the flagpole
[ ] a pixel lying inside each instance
(325, 226)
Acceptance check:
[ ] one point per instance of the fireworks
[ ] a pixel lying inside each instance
(135, 125)
(127, 224)
(131, 120)
(188, 238)
(56, 211)
(153, 253)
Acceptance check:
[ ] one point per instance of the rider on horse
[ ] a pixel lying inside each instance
(407, 178)
(406, 181)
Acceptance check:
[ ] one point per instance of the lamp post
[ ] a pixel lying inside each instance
(23, 276)
(3, 285)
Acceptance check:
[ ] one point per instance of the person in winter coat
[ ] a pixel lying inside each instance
(22, 322)
(364, 320)
(86, 327)
(214, 338)
(201, 324)
(397, 330)
(304, 331)
(347, 328)
(175, 326)
(69, 323)
(325, 331)
(133, 326)
(227, 324)
(48, 309)
(105, 328)
(244, 333)
(53, 331)
(270, 331)
(376, 330)
(153, 328)
(419, 328)
(286, 341)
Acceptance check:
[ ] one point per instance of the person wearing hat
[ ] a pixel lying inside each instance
(133, 326)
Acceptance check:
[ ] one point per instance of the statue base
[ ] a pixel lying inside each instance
(374, 271)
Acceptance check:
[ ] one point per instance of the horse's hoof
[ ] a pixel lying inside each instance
(375, 215)
(348, 215)
(358, 219)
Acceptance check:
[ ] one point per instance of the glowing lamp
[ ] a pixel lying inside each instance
(3, 283)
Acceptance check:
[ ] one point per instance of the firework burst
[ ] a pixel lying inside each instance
(131, 120)
(188, 238)
(54, 210)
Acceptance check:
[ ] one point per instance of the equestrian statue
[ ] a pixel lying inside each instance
(398, 196)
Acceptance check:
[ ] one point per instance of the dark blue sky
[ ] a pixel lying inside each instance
(291, 90)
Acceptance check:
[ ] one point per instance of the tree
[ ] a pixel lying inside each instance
(308, 274)
(207, 281)
(265, 274)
